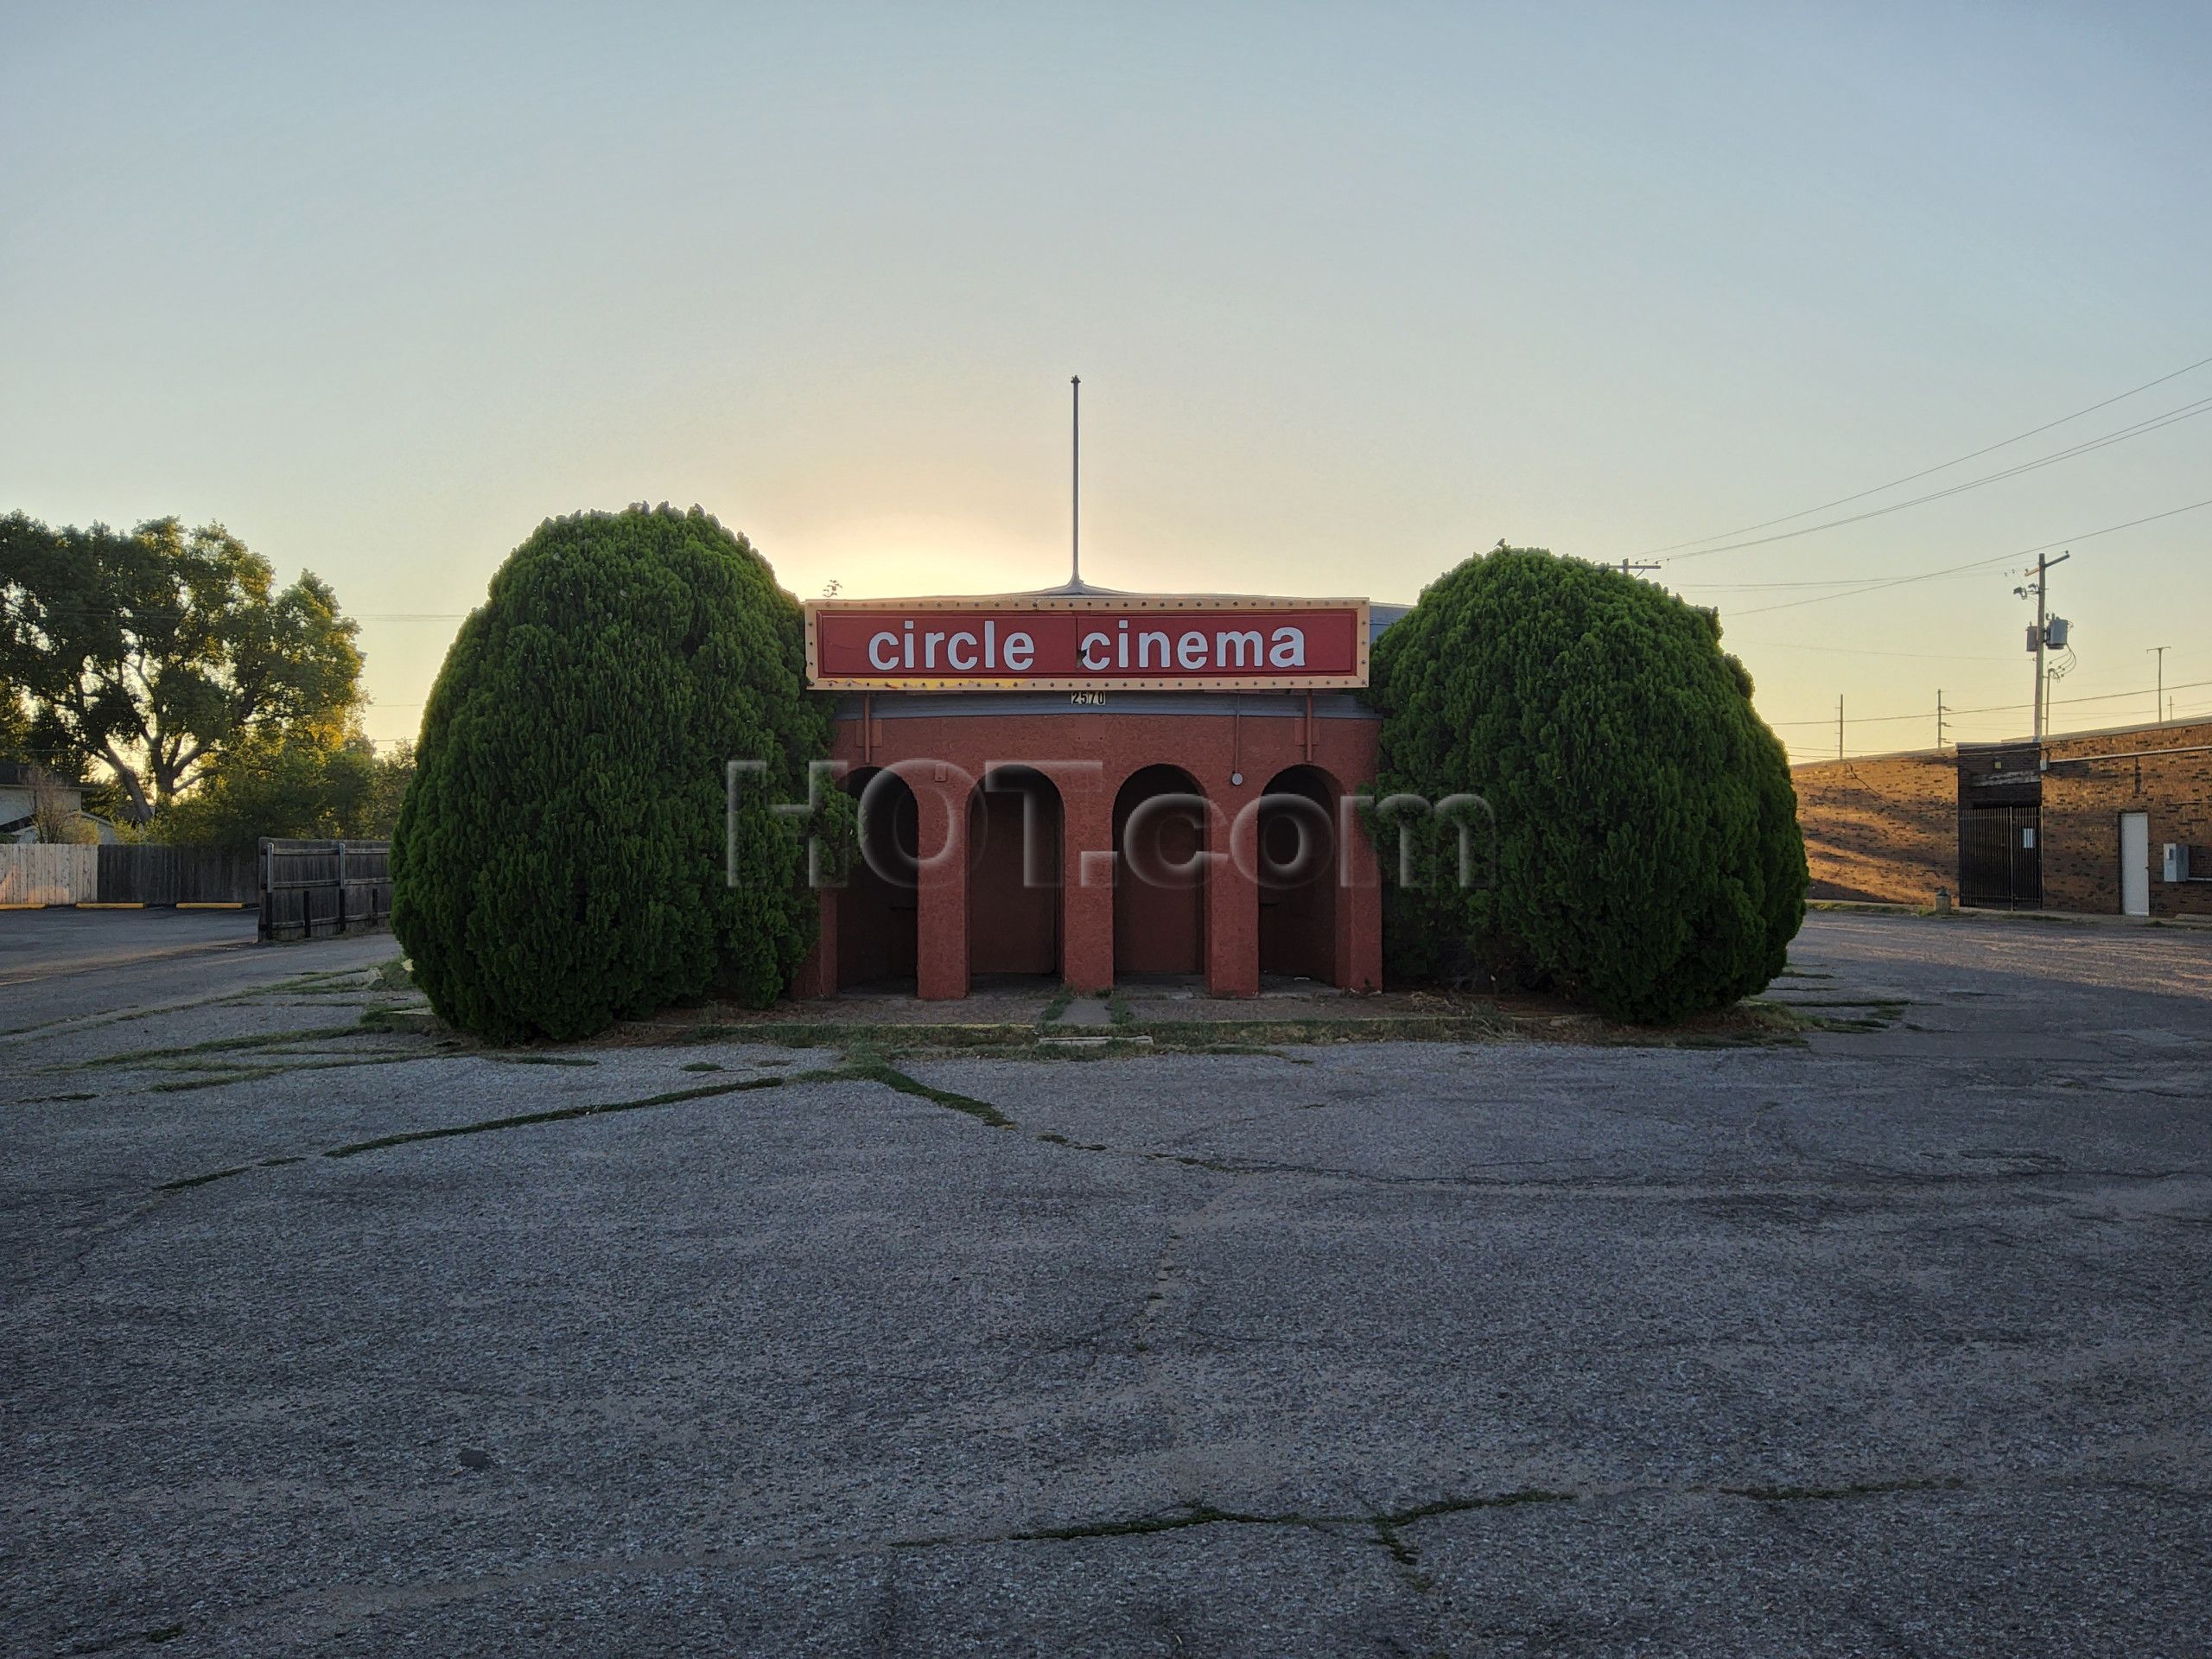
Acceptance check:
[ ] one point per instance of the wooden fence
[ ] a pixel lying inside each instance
(176, 876)
(314, 889)
(39, 874)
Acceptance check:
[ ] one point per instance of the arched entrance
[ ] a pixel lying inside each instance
(1159, 887)
(1014, 876)
(876, 910)
(1297, 858)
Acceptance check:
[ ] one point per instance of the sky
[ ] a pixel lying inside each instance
(1355, 291)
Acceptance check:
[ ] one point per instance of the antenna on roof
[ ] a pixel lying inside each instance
(1074, 481)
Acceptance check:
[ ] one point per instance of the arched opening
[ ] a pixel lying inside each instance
(876, 910)
(1159, 887)
(1297, 859)
(1013, 876)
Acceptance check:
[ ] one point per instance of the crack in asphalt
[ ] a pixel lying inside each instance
(335, 1609)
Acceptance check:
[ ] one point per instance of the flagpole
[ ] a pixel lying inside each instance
(1074, 481)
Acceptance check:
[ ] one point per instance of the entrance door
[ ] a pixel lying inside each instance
(876, 913)
(2000, 866)
(2135, 863)
(1297, 857)
(1014, 876)
(1159, 892)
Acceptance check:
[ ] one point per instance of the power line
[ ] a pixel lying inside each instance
(1977, 564)
(1929, 472)
(2186, 412)
(1860, 651)
(1766, 587)
(1950, 713)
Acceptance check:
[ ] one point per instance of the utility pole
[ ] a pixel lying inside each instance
(2158, 708)
(1939, 716)
(1839, 728)
(2039, 636)
(1074, 481)
(1628, 569)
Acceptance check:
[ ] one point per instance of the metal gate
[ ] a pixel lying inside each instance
(2000, 857)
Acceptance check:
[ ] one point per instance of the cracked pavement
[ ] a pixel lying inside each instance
(1890, 1340)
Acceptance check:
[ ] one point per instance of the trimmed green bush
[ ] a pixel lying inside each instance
(1643, 827)
(559, 863)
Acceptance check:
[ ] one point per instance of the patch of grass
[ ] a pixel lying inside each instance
(215, 1077)
(1879, 1013)
(866, 1070)
(1058, 1006)
(848, 1035)
(220, 1045)
(414, 1017)
(210, 1080)
(1747, 1023)
(182, 1182)
(1386, 1028)
(557, 1114)
(876, 1071)
(1194, 1515)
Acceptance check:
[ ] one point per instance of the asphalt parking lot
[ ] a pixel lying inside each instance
(1892, 1338)
(62, 964)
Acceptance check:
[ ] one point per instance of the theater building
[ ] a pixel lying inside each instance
(1087, 786)
(2111, 822)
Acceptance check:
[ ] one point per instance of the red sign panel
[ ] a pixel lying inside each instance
(1044, 643)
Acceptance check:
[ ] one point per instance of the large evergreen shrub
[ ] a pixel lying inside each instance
(559, 863)
(1647, 857)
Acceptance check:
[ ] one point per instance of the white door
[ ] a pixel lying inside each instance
(2135, 863)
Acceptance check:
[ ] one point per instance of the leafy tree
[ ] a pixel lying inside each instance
(1645, 829)
(15, 723)
(395, 770)
(156, 650)
(293, 785)
(560, 859)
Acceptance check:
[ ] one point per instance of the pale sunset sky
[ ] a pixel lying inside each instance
(1354, 291)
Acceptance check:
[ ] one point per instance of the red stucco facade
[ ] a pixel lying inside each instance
(1232, 748)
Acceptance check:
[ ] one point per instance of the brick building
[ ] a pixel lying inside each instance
(1083, 786)
(2115, 822)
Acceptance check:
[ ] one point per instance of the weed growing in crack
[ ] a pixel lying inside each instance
(1854, 1489)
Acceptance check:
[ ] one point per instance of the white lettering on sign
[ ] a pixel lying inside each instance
(1193, 651)
(1024, 640)
(1238, 649)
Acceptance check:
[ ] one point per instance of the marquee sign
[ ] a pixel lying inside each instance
(1047, 642)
